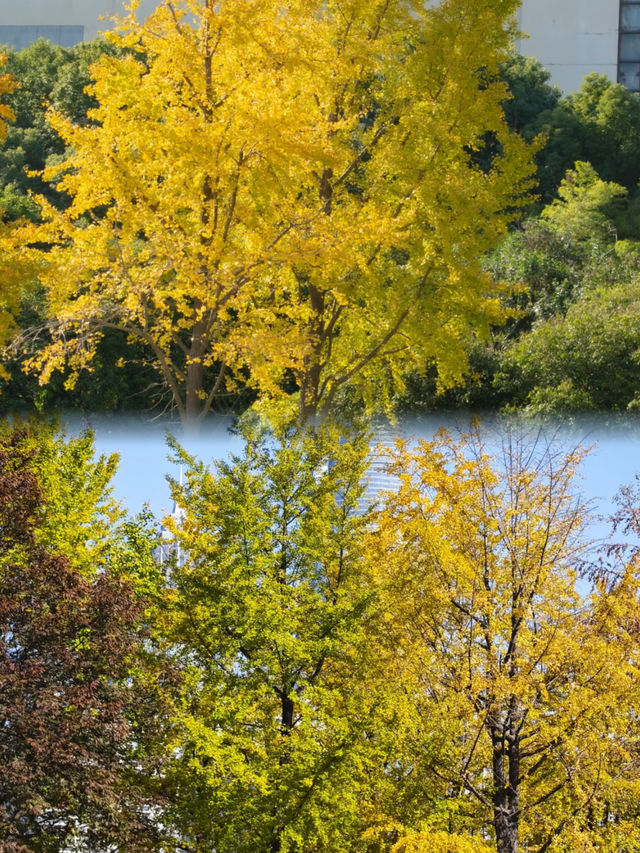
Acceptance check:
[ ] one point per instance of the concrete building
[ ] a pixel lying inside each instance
(574, 37)
(63, 22)
(570, 37)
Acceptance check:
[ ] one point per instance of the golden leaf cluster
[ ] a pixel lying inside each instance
(271, 189)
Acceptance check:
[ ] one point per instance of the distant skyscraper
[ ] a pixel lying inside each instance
(629, 45)
(572, 38)
(382, 445)
(168, 550)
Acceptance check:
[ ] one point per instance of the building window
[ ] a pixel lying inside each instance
(629, 45)
(19, 37)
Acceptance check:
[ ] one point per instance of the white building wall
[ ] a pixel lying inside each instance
(571, 37)
(47, 13)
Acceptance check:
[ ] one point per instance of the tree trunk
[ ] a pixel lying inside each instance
(286, 725)
(506, 826)
(194, 371)
(193, 402)
(276, 844)
(287, 714)
(506, 800)
(312, 371)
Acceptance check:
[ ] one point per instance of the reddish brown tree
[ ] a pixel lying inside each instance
(69, 715)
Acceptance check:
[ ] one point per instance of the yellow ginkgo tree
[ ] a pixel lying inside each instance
(7, 85)
(11, 274)
(525, 683)
(296, 194)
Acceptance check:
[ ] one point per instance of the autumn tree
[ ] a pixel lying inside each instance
(75, 712)
(525, 686)
(289, 189)
(11, 279)
(7, 85)
(48, 76)
(279, 723)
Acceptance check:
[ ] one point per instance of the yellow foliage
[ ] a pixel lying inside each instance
(439, 842)
(288, 188)
(524, 690)
(7, 85)
(11, 274)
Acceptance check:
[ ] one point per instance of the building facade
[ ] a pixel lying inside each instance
(63, 22)
(570, 37)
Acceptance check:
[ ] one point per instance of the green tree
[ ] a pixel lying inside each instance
(530, 91)
(598, 124)
(533, 100)
(278, 725)
(584, 360)
(547, 268)
(610, 114)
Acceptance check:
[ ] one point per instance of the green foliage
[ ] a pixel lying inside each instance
(610, 115)
(80, 520)
(271, 603)
(588, 171)
(48, 76)
(531, 93)
(477, 393)
(574, 345)
(587, 207)
(544, 266)
(587, 359)
(535, 108)
(600, 124)
(546, 269)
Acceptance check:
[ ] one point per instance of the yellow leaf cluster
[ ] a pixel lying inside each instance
(524, 686)
(439, 842)
(7, 85)
(269, 189)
